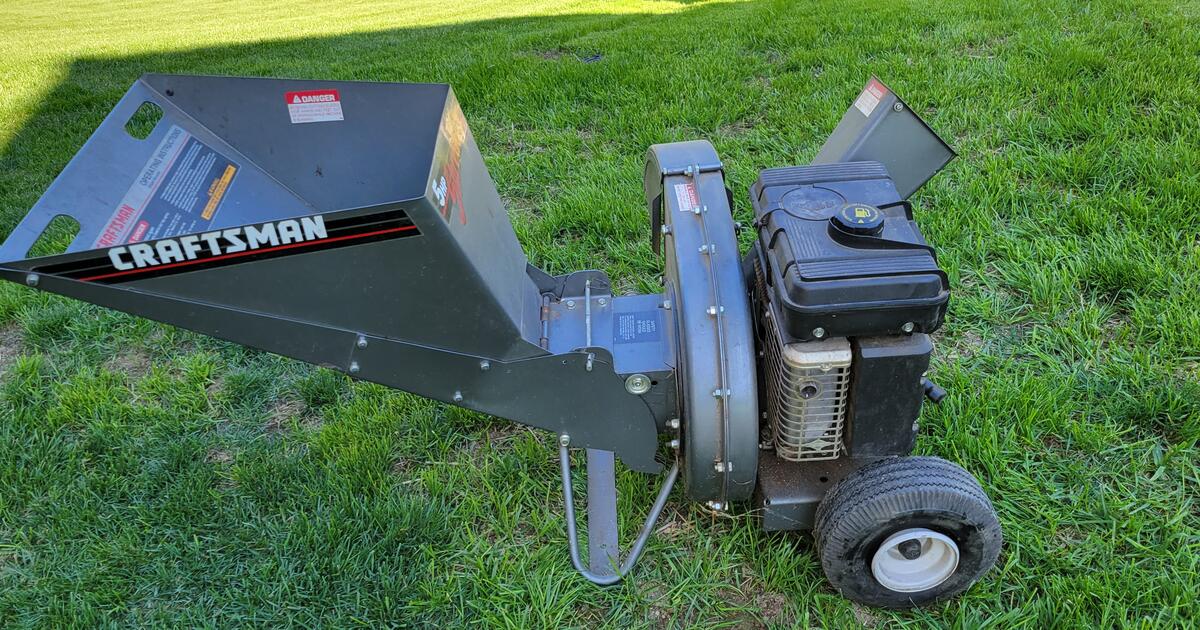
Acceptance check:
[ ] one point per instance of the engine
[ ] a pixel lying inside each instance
(847, 293)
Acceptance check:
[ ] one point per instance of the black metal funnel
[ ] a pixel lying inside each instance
(347, 224)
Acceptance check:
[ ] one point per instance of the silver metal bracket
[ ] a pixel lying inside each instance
(604, 566)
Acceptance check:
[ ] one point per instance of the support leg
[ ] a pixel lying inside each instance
(603, 530)
(606, 527)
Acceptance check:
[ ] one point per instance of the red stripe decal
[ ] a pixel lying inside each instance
(248, 252)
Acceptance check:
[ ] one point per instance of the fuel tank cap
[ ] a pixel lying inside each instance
(859, 218)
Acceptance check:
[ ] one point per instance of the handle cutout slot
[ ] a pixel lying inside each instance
(144, 120)
(56, 238)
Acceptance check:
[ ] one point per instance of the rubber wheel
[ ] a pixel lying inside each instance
(922, 506)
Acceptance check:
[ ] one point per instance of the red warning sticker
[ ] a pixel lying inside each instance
(870, 97)
(314, 106)
(685, 195)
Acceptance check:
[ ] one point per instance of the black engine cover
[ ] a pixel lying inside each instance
(842, 254)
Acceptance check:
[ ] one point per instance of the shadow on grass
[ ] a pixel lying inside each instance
(522, 73)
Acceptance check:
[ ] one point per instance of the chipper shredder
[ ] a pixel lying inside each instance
(354, 226)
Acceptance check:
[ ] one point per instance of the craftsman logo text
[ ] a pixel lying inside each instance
(217, 243)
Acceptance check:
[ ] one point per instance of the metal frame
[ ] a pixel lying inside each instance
(603, 552)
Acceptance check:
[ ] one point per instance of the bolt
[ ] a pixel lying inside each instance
(674, 444)
(666, 229)
(818, 332)
(31, 279)
(564, 440)
(458, 397)
(666, 305)
(603, 301)
(908, 327)
(637, 384)
(716, 505)
(485, 365)
(362, 341)
(673, 423)
(898, 106)
(570, 303)
(354, 367)
(704, 249)
(910, 549)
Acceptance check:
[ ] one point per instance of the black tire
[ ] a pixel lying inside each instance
(871, 504)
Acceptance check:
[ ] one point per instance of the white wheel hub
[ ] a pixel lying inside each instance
(914, 560)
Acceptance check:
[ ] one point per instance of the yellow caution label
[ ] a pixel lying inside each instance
(216, 191)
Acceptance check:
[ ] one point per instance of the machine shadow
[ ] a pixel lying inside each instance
(509, 74)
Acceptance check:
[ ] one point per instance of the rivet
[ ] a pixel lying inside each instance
(564, 440)
(818, 332)
(898, 106)
(354, 367)
(908, 327)
(637, 384)
(458, 397)
(485, 365)
(31, 279)
(362, 341)
(570, 303)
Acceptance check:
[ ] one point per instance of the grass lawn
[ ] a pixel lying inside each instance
(152, 476)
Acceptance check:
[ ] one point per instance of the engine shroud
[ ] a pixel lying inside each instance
(832, 277)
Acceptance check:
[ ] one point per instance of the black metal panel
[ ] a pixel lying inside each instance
(886, 394)
(788, 492)
(571, 393)
(379, 153)
(879, 126)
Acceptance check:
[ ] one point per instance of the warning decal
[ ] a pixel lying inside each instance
(686, 195)
(870, 97)
(637, 327)
(179, 190)
(314, 106)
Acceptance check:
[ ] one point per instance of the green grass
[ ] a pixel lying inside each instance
(151, 476)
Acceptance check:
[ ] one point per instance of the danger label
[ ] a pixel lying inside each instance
(686, 195)
(870, 97)
(314, 106)
(179, 190)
